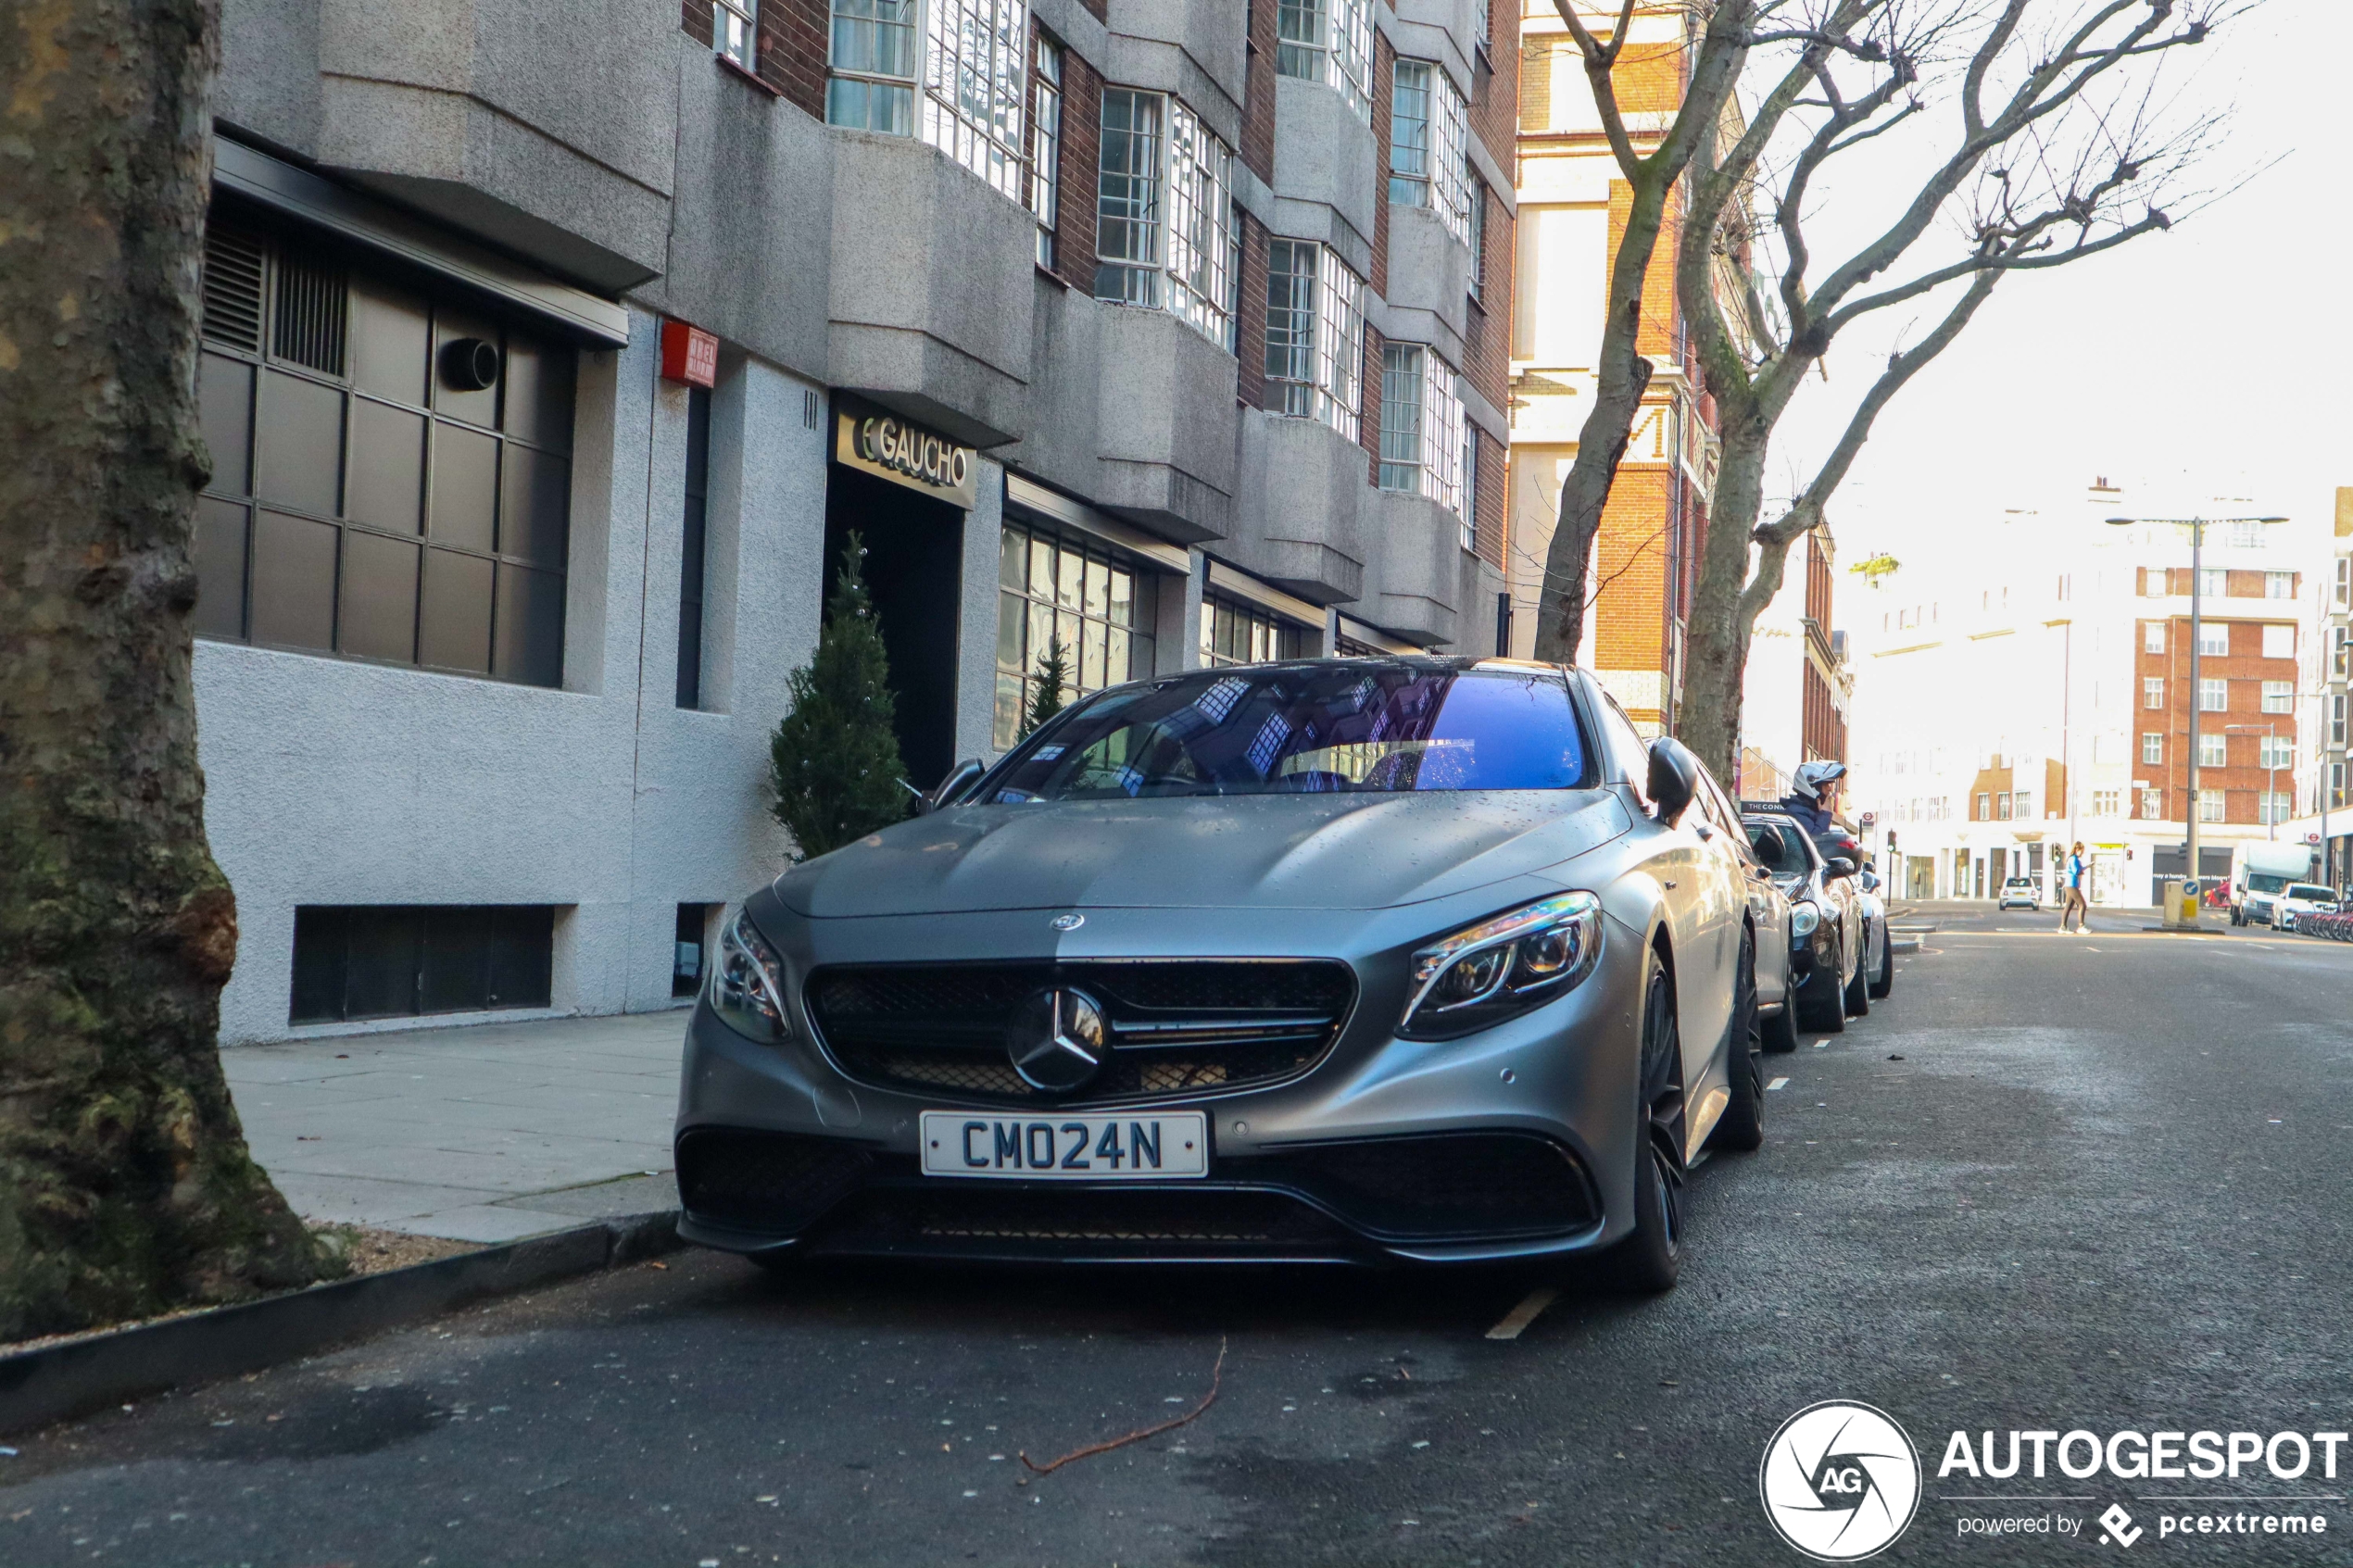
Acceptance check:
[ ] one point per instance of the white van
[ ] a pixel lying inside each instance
(2260, 871)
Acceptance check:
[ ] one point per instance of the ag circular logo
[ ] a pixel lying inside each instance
(1840, 1481)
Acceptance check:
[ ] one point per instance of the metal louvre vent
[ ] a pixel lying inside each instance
(776, 1181)
(1175, 1026)
(310, 320)
(233, 267)
(1436, 1185)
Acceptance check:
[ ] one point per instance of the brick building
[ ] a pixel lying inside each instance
(551, 361)
(1573, 205)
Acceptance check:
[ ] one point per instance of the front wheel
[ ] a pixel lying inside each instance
(1742, 1127)
(1820, 1007)
(1858, 990)
(1648, 1261)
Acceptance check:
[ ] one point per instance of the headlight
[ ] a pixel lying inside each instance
(1803, 917)
(1502, 966)
(748, 984)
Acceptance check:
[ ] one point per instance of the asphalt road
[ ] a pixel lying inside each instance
(2052, 1182)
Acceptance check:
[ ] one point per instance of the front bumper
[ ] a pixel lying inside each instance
(1516, 1142)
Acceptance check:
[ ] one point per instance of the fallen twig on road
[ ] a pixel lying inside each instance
(1216, 1374)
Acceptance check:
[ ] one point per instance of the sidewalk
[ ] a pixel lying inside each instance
(484, 1133)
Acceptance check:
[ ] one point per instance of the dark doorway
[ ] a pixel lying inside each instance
(914, 572)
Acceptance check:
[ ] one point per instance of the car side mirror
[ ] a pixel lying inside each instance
(1674, 779)
(949, 788)
(1838, 866)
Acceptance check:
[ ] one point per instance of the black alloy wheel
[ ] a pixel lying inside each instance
(1821, 1006)
(1858, 990)
(1741, 1126)
(1885, 981)
(1647, 1261)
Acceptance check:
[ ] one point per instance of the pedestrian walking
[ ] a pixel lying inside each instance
(2073, 903)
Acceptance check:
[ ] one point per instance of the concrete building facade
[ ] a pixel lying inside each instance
(553, 354)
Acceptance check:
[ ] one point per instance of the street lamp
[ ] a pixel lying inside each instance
(2197, 526)
(2271, 791)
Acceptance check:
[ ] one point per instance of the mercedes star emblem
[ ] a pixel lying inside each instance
(1057, 1040)
(1069, 922)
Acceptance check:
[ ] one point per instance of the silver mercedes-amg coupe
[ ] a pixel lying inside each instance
(1351, 960)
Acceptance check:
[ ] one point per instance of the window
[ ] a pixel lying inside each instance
(2152, 749)
(976, 80)
(2273, 808)
(1421, 438)
(2212, 749)
(1056, 590)
(2336, 719)
(2209, 806)
(2108, 803)
(1128, 215)
(2245, 534)
(2279, 641)
(2152, 805)
(1331, 41)
(404, 960)
(2337, 785)
(1046, 144)
(1185, 261)
(2279, 584)
(1429, 145)
(1314, 334)
(690, 551)
(2213, 638)
(1234, 633)
(2152, 636)
(2213, 582)
(2340, 651)
(2153, 691)
(2344, 581)
(2002, 806)
(322, 390)
(872, 54)
(2213, 696)
(2279, 696)
(2275, 751)
(1469, 508)
(687, 948)
(1985, 813)
(2025, 799)
(1478, 198)
(732, 30)
(1200, 223)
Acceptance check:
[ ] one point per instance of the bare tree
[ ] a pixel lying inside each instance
(125, 1185)
(1718, 36)
(2059, 148)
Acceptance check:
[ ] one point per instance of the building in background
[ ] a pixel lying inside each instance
(547, 372)
(2028, 685)
(2326, 811)
(1573, 201)
(1799, 686)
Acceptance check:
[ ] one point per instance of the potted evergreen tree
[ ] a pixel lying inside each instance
(834, 759)
(1046, 687)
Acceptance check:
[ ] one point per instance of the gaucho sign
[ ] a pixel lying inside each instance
(906, 453)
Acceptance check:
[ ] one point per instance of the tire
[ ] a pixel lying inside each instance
(1886, 979)
(1778, 1034)
(1857, 996)
(1742, 1127)
(1648, 1261)
(1821, 1010)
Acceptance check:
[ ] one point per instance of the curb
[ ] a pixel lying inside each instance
(1902, 945)
(58, 1382)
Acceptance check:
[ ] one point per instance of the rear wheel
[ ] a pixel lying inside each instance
(1885, 981)
(1647, 1261)
(1858, 990)
(1742, 1124)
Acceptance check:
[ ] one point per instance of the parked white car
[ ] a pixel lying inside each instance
(2302, 899)
(2021, 892)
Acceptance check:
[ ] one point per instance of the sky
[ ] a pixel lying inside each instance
(2187, 366)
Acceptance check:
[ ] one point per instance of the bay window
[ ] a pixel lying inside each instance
(1045, 145)
(1421, 437)
(1331, 41)
(872, 54)
(1315, 336)
(1127, 204)
(1428, 136)
(975, 73)
(1166, 235)
(1200, 223)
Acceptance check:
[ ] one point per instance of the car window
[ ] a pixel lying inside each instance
(1780, 848)
(1628, 751)
(1337, 728)
(2262, 882)
(2309, 891)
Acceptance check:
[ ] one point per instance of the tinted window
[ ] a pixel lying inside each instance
(2262, 882)
(2307, 891)
(1780, 849)
(1318, 729)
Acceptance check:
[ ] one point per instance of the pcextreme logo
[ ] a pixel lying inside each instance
(1840, 1481)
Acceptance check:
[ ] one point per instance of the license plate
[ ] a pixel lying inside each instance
(1095, 1148)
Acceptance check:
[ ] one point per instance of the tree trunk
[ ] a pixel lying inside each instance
(1715, 638)
(125, 1187)
(1623, 376)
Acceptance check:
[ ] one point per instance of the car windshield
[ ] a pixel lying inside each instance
(2018, 882)
(2260, 881)
(1338, 728)
(1779, 846)
(2310, 892)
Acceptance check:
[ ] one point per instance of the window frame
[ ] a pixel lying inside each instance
(2279, 696)
(1046, 144)
(906, 25)
(1139, 633)
(737, 44)
(1225, 616)
(1330, 42)
(1332, 356)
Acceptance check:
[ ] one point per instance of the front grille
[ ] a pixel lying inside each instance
(766, 1181)
(1437, 1184)
(1177, 1026)
(1002, 1221)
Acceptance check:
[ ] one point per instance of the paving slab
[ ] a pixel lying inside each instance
(485, 1133)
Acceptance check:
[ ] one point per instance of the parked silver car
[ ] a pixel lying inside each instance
(1829, 939)
(1347, 960)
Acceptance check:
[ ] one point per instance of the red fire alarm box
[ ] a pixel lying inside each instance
(688, 355)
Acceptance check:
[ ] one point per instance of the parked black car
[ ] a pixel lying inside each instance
(1828, 938)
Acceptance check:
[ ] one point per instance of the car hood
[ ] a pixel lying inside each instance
(1249, 851)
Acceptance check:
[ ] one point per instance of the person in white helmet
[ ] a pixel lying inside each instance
(1812, 795)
